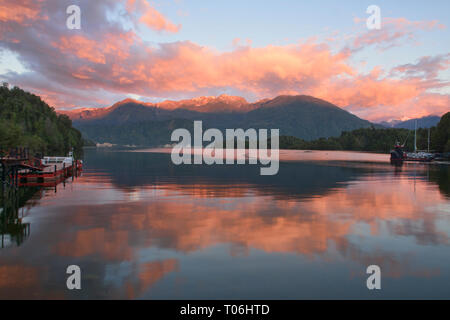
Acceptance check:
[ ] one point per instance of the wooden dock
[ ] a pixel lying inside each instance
(19, 169)
(50, 175)
(10, 164)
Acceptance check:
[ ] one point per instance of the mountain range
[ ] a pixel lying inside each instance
(424, 122)
(132, 122)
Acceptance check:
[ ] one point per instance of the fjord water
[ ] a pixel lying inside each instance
(141, 228)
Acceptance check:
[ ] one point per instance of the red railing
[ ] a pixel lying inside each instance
(15, 153)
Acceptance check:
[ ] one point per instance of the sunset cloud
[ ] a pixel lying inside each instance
(394, 32)
(21, 11)
(95, 51)
(106, 61)
(152, 18)
(427, 67)
(416, 107)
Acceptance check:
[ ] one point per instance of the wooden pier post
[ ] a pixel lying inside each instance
(3, 176)
(16, 178)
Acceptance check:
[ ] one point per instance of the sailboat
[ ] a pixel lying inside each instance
(399, 155)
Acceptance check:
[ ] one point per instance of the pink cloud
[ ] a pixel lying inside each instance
(150, 17)
(112, 46)
(392, 32)
(105, 61)
(416, 107)
(21, 11)
(427, 67)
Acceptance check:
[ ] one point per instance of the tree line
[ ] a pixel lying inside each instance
(28, 122)
(378, 140)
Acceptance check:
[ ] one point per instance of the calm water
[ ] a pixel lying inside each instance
(142, 228)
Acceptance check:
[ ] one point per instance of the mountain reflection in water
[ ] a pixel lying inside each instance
(141, 227)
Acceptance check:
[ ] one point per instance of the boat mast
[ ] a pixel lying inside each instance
(428, 140)
(415, 137)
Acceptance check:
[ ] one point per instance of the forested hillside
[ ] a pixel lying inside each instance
(377, 140)
(27, 121)
(134, 123)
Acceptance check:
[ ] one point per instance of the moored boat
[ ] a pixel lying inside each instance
(419, 156)
(398, 154)
(51, 171)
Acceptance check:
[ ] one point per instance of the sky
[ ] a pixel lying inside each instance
(181, 49)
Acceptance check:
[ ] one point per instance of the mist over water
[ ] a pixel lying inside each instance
(142, 228)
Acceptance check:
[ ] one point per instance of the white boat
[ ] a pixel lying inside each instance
(69, 160)
(399, 155)
(420, 155)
